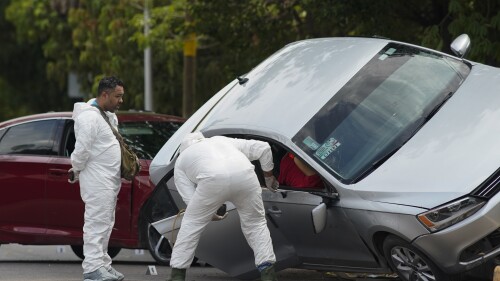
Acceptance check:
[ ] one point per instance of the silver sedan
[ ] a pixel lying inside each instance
(405, 140)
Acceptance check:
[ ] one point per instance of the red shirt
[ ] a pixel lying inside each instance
(291, 175)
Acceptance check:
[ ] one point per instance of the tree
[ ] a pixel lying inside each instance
(95, 38)
(24, 87)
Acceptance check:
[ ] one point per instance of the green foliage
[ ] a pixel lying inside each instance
(95, 38)
(24, 87)
(50, 38)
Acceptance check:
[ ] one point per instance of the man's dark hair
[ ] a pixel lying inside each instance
(108, 83)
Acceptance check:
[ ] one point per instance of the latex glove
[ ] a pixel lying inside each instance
(271, 183)
(216, 217)
(220, 214)
(73, 176)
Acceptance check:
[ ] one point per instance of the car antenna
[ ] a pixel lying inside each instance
(242, 80)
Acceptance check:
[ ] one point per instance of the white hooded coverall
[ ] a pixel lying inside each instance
(211, 171)
(97, 156)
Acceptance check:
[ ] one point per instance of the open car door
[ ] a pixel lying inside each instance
(316, 227)
(295, 238)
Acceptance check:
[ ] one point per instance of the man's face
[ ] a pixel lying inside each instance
(113, 99)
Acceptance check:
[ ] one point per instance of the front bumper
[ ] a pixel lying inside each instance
(447, 247)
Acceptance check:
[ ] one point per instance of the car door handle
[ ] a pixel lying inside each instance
(274, 211)
(58, 172)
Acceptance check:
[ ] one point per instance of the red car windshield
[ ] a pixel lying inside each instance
(146, 138)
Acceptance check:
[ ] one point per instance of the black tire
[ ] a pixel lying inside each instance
(158, 246)
(78, 250)
(410, 264)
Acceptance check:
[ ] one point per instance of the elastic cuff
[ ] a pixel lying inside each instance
(264, 265)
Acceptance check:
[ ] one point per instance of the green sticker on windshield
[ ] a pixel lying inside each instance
(312, 144)
(327, 148)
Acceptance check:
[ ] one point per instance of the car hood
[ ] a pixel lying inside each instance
(451, 155)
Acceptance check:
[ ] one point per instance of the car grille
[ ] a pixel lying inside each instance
(488, 188)
(482, 247)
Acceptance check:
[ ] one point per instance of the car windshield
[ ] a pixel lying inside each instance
(147, 138)
(379, 109)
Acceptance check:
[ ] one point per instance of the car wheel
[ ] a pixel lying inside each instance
(158, 246)
(410, 264)
(78, 250)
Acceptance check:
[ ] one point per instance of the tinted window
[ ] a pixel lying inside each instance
(2, 131)
(30, 138)
(379, 109)
(147, 138)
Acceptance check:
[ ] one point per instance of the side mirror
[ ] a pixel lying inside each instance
(318, 215)
(461, 45)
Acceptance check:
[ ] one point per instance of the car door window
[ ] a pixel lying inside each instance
(33, 138)
(69, 139)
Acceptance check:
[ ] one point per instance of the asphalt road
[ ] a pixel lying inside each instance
(58, 263)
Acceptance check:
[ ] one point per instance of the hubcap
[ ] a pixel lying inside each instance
(410, 265)
(159, 244)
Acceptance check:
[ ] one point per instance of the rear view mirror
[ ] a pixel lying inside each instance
(318, 215)
(461, 45)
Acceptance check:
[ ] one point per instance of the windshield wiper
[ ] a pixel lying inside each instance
(418, 126)
(374, 165)
(438, 106)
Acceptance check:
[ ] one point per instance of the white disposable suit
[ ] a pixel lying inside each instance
(211, 171)
(97, 157)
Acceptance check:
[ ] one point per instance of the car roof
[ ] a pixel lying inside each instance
(301, 77)
(287, 89)
(123, 116)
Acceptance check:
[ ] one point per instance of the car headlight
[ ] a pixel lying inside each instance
(450, 214)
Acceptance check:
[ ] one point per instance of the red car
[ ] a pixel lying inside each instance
(39, 207)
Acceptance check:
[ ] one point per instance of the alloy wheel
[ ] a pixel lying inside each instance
(158, 246)
(410, 265)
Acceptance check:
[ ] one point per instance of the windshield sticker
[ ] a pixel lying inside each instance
(312, 144)
(390, 51)
(383, 57)
(387, 53)
(327, 148)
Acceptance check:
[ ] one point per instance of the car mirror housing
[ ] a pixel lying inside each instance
(319, 215)
(461, 45)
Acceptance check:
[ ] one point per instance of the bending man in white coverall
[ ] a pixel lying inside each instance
(96, 164)
(211, 171)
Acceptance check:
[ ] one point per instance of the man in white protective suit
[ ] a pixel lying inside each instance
(211, 171)
(96, 164)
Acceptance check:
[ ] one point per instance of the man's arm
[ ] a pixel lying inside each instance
(259, 150)
(85, 133)
(256, 150)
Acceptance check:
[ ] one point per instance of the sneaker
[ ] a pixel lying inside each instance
(118, 275)
(100, 274)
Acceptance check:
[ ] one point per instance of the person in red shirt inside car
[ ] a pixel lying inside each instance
(295, 173)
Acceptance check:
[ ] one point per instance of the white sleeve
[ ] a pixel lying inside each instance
(256, 150)
(85, 133)
(185, 186)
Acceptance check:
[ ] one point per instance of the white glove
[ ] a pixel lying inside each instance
(73, 174)
(220, 214)
(216, 217)
(271, 183)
